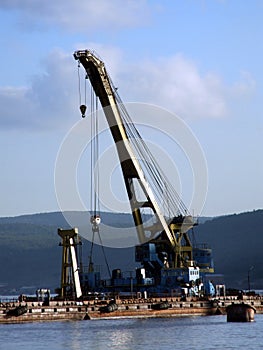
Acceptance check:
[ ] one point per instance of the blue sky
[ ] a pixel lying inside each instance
(201, 60)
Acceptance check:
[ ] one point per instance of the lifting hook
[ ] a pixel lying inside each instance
(83, 109)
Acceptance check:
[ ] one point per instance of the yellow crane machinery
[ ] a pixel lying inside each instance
(168, 233)
(70, 282)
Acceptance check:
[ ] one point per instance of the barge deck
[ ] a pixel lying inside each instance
(136, 308)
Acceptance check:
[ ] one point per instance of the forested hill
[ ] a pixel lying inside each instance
(30, 254)
(31, 257)
(237, 242)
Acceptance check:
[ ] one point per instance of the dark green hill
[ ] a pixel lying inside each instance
(57, 219)
(237, 242)
(30, 255)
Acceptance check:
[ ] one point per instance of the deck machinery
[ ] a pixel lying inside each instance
(169, 262)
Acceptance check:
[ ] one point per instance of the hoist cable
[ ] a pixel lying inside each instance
(91, 149)
(91, 250)
(95, 173)
(104, 254)
(85, 91)
(97, 178)
(155, 169)
(79, 83)
(159, 180)
(94, 165)
(149, 162)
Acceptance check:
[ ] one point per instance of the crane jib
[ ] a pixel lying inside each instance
(125, 135)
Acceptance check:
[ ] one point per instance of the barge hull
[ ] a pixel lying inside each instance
(61, 311)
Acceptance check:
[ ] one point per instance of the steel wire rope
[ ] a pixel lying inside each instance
(157, 178)
(95, 173)
(155, 172)
(159, 174)
(153, 168)
(79, 84)
(104, 254)
(94, 149)
(143, 158)
(97, 167)
(91, 251)
(91, 177)
(91, 147)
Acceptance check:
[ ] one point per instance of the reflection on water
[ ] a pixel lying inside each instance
(119, 338)
(212, 332)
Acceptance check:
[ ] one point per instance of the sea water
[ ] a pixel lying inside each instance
(204, 332)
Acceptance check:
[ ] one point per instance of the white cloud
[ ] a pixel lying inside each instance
(83, 15)
(174, 83)
(47, 102)
(51, 100)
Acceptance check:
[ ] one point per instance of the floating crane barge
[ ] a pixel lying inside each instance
(170, 263)
(175, 277)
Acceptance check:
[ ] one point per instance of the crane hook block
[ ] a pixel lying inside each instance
(95, 220)
(83, 109)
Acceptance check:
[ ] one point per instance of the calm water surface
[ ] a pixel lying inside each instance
(212, 332)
